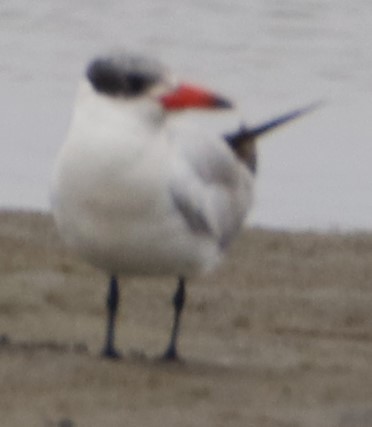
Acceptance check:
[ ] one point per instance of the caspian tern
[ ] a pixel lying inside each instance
(132, 196)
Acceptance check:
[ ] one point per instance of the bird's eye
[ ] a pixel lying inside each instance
(136, 84)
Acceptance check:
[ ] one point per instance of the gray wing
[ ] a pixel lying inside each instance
(210, 187)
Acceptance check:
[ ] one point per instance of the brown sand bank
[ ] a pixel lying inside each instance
(279, 336)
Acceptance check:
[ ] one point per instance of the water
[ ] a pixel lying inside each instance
(270, 56)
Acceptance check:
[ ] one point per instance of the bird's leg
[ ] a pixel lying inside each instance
(178, 303)
(112, 308)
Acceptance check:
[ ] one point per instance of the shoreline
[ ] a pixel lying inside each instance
(331, 230)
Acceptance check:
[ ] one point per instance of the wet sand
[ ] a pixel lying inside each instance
(279, 336)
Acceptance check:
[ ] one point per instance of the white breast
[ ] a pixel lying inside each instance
(117, 182)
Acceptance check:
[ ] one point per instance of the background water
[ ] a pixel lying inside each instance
(268, 55)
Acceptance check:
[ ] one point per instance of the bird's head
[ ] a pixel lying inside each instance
(132, 77)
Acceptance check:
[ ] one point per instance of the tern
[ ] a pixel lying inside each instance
(132, 196)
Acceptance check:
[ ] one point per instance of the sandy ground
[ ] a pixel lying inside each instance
(279, 336)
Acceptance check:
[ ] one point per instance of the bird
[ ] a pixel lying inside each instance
(134, 196)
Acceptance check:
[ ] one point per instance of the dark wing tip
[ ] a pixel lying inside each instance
(283, 119)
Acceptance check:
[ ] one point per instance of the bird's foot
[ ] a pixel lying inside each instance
(170, 355)
(111, 353)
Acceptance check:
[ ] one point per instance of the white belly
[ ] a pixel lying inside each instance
(126, 223)
(114, 185)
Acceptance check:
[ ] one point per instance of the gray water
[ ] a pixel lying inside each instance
(267, 55)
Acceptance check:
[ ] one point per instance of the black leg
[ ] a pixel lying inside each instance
(178, 303)
(112, 308)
